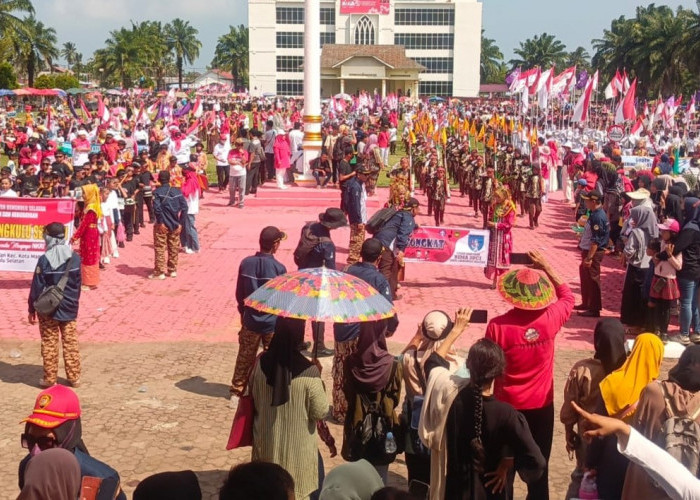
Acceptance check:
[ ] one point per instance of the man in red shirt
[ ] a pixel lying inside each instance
(542, 304)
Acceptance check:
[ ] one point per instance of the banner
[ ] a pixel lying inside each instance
(381, 7)
(449, 245)
(22, 222)
(647, 161)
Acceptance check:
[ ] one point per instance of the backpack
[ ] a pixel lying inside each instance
(681, 435)
(51, 297)
(374, 416)
(307, 242)
(379, 219)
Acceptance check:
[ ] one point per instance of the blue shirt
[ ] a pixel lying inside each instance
(395, 233)
(599, 230)
(323, 254)
(352, 200)
(254, 272)
(343, 332)
(168, 205)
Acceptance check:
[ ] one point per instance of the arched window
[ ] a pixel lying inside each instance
(364, 32)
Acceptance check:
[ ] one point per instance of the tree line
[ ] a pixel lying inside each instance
(659, 46)
(143, 54)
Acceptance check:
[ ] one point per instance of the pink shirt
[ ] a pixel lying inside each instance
(527, 338)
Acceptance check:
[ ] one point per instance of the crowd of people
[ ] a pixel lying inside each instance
(465, 426)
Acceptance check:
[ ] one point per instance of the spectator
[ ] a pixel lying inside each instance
(168, 205)
(53, 474)
(257, 481)
(351, 481)
(181, 485)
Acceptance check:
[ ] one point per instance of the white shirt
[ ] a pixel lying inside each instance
(182, 154)
(296, 137)
(8, 194)
(220, 152)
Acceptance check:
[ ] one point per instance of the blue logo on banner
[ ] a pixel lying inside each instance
(476, 242)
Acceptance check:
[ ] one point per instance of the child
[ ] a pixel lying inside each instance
(664, 288)
(108, 242)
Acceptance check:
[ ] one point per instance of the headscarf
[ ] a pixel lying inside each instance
(691, 212)
(609, 344)
(621, 389)
(687, 372)
(191, 184)
(645, 219)
(673, 203)
(351, 481)
(181, 485)
(283, 362)
(57, 252)
(370, 365)
(91, 197)
(53, 474)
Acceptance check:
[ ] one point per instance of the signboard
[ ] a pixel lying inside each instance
(22, 222)
(616, 133)
(449, 245)
(646, 162)
(381, 7)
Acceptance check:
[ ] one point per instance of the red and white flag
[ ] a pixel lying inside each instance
(625, 110)
(691, 107)
(638, 126)
(613, 88)
(562, 82)
(197, 109)
(544, 87)
(533, 82)
(583, 104)
(625, 81)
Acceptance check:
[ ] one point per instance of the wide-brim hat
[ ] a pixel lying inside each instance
(527, 289)
(639, 194)
(333, 218)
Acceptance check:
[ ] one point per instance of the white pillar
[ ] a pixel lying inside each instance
(383, 88)
(342, 85)
(312, 84)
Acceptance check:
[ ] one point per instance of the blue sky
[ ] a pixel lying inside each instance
(88, 22)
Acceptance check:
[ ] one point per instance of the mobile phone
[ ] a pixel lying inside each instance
(521, 259)
(479, 316)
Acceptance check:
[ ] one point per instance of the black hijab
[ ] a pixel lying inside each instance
(370, 365)
(673, 204)
(687, 372)
(283, 362)
(609, 344)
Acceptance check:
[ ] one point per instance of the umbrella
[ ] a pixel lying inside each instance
(269, 94)
(76, 91)
(342, 95)
(6, 92)
(114, 92)
(436, 99)
(321, 294)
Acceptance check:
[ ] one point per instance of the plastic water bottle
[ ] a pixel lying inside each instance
(390, 444)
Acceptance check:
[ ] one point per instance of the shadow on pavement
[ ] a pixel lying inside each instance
(199, 385)
(21, 374)
(133, 271)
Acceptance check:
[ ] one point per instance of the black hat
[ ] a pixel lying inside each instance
(411, 203)
(363, 169)
(55, 230)
(333, 218)
(594, 195)
(271, 235)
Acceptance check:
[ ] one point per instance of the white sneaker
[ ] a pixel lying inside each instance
(173, 274)
(284, 187)
(106, 260)
(188, 250)
(115, 255)
(156, 276)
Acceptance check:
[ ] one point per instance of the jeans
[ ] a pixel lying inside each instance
(318, 175)
(689, 305)
(236, 183)
(188, 236)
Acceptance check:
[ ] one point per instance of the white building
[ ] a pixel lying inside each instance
(442, 36)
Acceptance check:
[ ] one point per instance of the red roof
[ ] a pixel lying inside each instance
(223, 74)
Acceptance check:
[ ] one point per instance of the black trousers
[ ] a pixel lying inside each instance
(590, 281)
(128, 220)
(541, 423)
(389, 267)
(318, 329)
(252, 180)
(138, 213)
(269, 174)
(633, 307)
(148, 201)
(222, 175)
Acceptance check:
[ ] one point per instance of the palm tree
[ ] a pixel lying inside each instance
(232, 53)
(541, 50)
(121, 58)
(491, 59)
(9, 22)
(182, 41)
(68, 53)
(35, 47)
(579, 58)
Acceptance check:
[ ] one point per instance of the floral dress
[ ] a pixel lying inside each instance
(501, 242)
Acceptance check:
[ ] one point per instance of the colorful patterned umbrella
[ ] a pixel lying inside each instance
(321, 294)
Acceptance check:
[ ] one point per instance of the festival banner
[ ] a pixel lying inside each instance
(22, 222)
(647, 162)
(381, 7)
(449, 245)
